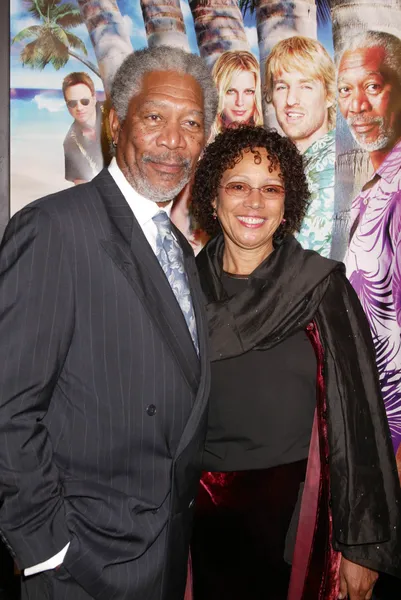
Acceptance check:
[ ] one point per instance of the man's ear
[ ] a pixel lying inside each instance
(114, 125)
(330, 102)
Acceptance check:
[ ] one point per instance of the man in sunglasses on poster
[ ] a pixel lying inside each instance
(87, 143)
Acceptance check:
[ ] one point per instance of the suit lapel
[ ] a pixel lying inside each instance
(132, 254)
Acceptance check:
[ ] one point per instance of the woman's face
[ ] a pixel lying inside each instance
(239, 99)
(249, 222)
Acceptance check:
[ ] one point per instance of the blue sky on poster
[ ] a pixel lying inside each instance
(24, 77)
(39, 118)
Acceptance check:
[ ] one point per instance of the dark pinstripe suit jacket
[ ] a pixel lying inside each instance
(103, 398)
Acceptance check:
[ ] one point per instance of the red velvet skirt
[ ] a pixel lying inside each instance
(240, 533)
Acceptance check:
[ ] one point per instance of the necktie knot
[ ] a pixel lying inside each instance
(163, 223)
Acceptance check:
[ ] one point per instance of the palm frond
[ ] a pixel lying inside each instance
(32, 8)
(75, 42)
(59, 56)
(40, 8)
(245, 5)
(28, 32)
(59, 35)
(67, 15)
(46, 49)
(31, 56)
(323, 9)
(53, 50)
(65, 7)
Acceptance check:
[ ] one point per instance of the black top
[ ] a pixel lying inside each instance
(261, 403)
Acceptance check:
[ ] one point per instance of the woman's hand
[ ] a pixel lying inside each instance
(356, 581)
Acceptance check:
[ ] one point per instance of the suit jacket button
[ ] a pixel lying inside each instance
(151, 410)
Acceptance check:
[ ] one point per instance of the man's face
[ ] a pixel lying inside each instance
(160, 141)
(80, 103)
(369, 98)
(301, 106)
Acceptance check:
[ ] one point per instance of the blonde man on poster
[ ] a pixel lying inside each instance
(300, 83)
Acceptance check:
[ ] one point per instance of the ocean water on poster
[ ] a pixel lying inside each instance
(39, 122)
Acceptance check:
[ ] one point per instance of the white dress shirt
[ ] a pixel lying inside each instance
(144, 211)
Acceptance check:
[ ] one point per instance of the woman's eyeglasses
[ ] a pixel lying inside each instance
(73, 103)
(240, 189)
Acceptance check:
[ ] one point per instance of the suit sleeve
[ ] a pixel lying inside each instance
(36, 324)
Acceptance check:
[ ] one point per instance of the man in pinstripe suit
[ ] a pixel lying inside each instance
(103, 389)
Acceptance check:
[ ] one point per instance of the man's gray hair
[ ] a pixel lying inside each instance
(128, 79)
(379, 39)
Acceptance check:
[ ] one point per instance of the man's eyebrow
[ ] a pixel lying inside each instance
(306, 80)
(341, 75)
(162, 104)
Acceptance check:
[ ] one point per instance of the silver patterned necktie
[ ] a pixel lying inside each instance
(170, 256)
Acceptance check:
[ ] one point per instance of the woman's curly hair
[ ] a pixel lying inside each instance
(226, 151)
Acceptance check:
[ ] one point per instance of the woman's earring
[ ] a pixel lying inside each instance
(283, 221)
(114, 144)
(214, 214)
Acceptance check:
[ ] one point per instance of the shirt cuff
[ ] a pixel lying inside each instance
(52, 563)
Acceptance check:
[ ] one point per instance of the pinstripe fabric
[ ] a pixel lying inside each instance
(102, 400)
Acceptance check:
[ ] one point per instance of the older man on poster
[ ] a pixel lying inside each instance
(300, 83)
(103, 354)
(369, 97)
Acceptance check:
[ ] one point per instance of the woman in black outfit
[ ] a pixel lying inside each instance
(299, 497)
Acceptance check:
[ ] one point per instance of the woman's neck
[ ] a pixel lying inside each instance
(241, 261)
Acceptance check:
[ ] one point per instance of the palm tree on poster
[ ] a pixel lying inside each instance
(109, 35)
(52, 41)
(277, 21)
(353, 166)
(219, 27)
(164, 23)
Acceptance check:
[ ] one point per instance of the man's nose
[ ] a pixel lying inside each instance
(359, 102)
(172, 136)
(292, 97)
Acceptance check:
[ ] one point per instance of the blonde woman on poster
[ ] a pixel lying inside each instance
(300, 83)
(237, 77)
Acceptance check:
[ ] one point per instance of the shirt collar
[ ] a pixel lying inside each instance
(326, 139)
(143, 208)
(391, 164)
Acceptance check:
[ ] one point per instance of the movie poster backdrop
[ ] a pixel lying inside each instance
(273, 63)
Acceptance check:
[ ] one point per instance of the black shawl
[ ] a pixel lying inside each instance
(291, 288)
